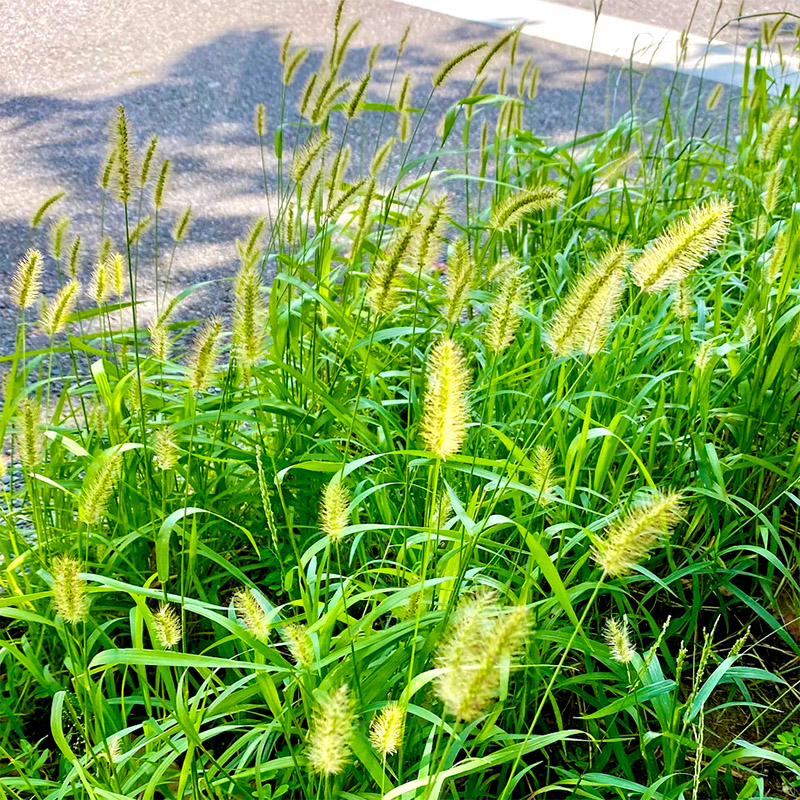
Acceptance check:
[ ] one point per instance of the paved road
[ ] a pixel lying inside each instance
(192, 70)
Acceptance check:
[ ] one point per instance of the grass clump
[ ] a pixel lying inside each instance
(485, 494)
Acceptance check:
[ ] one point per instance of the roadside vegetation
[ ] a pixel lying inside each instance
(486, 486)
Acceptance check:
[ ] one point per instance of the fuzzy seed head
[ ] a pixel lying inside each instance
(311, 151)
(118, 269)
(249, 315)
(203, 358)
(331, 733)
(69, 590)
(448, 66)
(683, 303)
(515, 207)
(98, 486)
(445, 409)
(681, 248)
(251, 614)
(58, 233)
(334, 516)
(387, 728)
(772, 186)
(75, 258)
(618, 639)
(771, 141)
(100, 285)
(460, 280)
(56, 313)
(160, 342)
(429, 235)
(480, 636)
(504, 314)
(582, 322)
(182, 226)
(299, 644)
(777, 257)
(30, 442)
(147, 162)
(26, 285)
(382, 295)
(543, 477)
(167, 626)
(165, 448)
(161, 183)
(123, 162)
(628, 541)
(260, 120)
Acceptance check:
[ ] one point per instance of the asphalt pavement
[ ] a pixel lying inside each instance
(191, 71)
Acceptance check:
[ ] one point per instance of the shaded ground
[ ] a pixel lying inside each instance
(194, 79)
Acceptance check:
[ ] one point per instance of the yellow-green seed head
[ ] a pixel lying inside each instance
(26, 285)
(445, 410)
(167, 627)
(252, 614)
(387, 728)
(628, 541)
(331, 733)
(70, 599)
(334, 516)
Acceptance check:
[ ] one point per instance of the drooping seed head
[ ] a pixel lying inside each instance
(581, 323)
(681, 248)
(628, 541)
(56, 313)
(514, 208)
(252, 614)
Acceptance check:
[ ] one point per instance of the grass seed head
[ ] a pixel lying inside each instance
(334, 516)
(617, 635)
(204, 355)
(165, 448)
(481, 635)
(771, 140)
(387, 728)
(581, 323)
(56, 313)
(70, 599)
(445, 409)
(628, 541)
(504, 313)
(167, 626)
(30, 442)
(460, 280)
(98, 486)
(681, 248)
(299, 643)
(252, 615)
(26, 285)
(511, 210)
(331, 733)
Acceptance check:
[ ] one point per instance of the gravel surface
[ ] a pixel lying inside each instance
(191, 71)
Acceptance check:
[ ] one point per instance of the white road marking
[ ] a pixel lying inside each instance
(716, 61)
